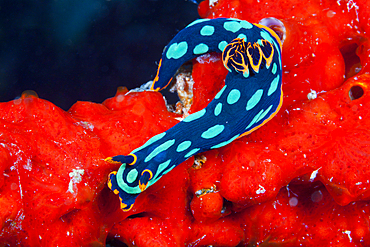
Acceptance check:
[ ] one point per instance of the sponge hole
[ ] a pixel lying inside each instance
(356, 92)
(351, 59)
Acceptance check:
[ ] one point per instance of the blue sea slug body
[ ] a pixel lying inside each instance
(252, 95)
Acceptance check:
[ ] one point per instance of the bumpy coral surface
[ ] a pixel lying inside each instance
(302, 179)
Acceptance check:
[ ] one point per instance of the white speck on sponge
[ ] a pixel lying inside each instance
(312, 95)
(145, 87)
(86, 125)
(314, 174)
(348, 234)
(28, 165)
(261, 190)
(293, 201)
(76, 177)
(212, 2)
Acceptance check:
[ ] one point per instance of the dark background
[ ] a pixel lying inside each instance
(82, 50)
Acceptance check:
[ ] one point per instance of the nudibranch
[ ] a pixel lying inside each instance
(252, 95)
